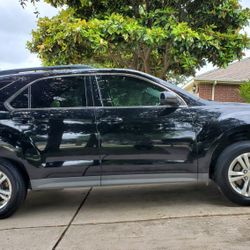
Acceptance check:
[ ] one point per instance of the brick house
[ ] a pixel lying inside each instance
(221, 84)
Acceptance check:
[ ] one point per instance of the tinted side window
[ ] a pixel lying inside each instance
(72, 91)
(10, 87)
(128, 91)
(58, 92)
(21, 101)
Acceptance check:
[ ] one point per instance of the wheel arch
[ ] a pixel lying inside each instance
(9, 154)
(234, 135)
(19, 167)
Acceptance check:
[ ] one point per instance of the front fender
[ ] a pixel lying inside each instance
(227, 129)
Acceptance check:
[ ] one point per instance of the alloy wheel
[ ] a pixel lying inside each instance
(239, 174)
(5, 190)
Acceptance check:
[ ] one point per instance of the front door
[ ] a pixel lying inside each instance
(141, 141)
(56, 115)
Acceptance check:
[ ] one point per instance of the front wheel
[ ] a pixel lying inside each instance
(12, 189)
(232, 172)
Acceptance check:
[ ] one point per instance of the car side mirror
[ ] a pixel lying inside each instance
(169, 98)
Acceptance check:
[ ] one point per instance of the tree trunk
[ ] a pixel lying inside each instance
(166, 63)
(146, 59)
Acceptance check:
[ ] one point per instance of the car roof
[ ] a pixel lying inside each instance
(40, 72)
(43, 69)
(63, 70)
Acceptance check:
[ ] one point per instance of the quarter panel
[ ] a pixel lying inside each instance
(64, 142)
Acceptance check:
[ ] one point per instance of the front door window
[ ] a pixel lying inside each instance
(128, 91)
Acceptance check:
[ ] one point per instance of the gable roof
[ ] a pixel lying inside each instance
(238, 71)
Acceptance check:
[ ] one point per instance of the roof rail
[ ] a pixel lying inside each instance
(60, 67)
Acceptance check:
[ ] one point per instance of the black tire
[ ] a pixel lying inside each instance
(19, 189)
(221, 171)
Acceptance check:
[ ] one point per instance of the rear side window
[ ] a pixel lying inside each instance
(58, 92)
(22, 100)
(8, 87)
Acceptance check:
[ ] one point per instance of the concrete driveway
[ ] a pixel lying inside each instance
(135, 217)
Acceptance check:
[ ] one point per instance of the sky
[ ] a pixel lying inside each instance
(15, 30)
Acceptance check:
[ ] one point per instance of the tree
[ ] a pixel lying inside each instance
(161, 37)
(245, 91)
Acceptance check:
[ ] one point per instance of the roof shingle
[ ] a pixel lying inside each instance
(236, 72)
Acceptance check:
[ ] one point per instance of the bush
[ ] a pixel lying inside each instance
(245, 91)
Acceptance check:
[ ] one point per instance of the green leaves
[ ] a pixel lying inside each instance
(245, 91)
(153, 36)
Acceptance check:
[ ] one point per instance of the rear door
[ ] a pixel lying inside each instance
(141, 141)
(57, 115)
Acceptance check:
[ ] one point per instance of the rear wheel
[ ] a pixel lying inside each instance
(12, 189)
(232, 172)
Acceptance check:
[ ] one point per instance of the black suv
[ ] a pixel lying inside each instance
(76, 126)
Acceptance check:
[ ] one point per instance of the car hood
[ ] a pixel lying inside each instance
(227, 105)
(227, 110)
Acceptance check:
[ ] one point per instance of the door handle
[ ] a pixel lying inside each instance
(111, 120)
(22, 119)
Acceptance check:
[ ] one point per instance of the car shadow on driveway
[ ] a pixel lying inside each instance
(153, 202)
(121, 203)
